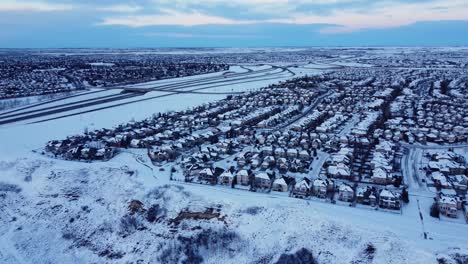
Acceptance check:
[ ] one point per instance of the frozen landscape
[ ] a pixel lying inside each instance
(294, 155)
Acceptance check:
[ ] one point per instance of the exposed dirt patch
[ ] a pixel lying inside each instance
(208, 214)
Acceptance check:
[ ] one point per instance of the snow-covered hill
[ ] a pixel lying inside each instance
(121, 211)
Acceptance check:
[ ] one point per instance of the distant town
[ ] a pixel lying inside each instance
(22, 75)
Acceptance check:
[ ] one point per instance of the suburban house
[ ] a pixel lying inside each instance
(301, 189)
(380, 176)
(345, 193)
(366, 196)
(448, 206)
(389, 200)
(279, 185)
(226, 178)
(320, 187)
(439, 179)
(208, 175)
(340, 170)
(242, 177)
(262, 180)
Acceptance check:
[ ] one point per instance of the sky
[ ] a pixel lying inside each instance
(232, 23)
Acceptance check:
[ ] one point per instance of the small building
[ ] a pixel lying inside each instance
(301, 189)
(448, 206)
(345, 193)
(440, 180)
(279, 185)
(304, 155)
(389, 200)
(292, 153)
(241, 160)
(255, 162)
(320, 188)
(226, 178)
(379, 176)
(135, 143)
(366, 196)
(280, 153)
(262, 180)
(242, 177)
(267, 150)
(207, 174)
(339, 170)
(192, 170)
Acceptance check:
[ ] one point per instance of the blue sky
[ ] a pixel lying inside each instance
(235, 23)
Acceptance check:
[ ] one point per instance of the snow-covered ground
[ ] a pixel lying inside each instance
(77, 212)
(6, 104)
(56, 211)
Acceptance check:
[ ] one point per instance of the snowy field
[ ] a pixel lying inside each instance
(7, 104)
(56, 211)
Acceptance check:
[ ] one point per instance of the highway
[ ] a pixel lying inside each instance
(218, 80)
(48, 102)
(68, 105)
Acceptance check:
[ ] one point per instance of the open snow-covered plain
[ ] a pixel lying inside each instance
(57, 211)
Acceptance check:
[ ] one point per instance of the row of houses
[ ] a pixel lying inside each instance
(81, 151)
(175, 130)
(382, 162)
(447, 170)
(321, 188)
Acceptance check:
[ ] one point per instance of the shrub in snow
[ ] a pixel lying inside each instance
(135, 206)
(435, 212)
(129, 224)
(460, 258)
(162, 192)
(192, 248)
(7, 187)
(253, 210)
(454, 258)
(155, 213)
(405, 196)
(369, 252)
(302, 256)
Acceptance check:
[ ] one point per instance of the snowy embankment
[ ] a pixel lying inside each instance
(59, 211)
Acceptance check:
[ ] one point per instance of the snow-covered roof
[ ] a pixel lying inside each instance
(207, 171)
(387, 194)
(262, 175)
(339, 169)
(280, 181)
(302, 183)
(227, 174)
(243, 173)
(379, 173)
(345, 188)
(320, 183)
(438, 176)
(448, 200)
